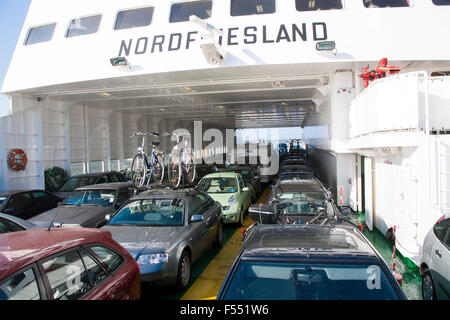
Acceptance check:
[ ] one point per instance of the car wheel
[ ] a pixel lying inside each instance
(184, 271)
(428, 292)
(219, 237)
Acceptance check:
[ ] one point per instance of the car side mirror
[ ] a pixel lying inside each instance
(197, 218)
(245, 189)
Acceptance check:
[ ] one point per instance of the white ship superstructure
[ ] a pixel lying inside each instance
(384, 149)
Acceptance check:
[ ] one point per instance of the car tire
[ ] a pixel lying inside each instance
(428, 291)
(184, 271)
(219, 237)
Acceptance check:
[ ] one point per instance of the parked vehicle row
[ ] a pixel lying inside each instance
(300, 246)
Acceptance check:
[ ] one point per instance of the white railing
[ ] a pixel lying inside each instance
(387, 105)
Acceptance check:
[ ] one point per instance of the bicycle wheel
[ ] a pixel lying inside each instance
(189, 167)
(138, 171)
(174, 171)
(158, 168)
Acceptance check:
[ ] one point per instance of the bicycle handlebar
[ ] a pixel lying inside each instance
(144, 134)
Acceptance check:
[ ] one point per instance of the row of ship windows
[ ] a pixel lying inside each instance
(182, 11)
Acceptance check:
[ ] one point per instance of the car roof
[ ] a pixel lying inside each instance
(306, 240)
(163, 191)
(94, 174)
(301, 185)
(18, 249)
(110, 186)
(11, 192)
(227, 174)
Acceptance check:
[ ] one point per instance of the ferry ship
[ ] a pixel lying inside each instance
(85, 74)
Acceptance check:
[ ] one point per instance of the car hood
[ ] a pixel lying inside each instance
(73, 214)
(138, 240)
(222, 197)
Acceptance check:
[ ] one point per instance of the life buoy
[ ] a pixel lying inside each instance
(17, 159)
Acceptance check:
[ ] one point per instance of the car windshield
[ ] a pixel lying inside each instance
(303, 202)
(91, 197)
(262, 280)
(218, 185)
(151, 212)
(74, 183)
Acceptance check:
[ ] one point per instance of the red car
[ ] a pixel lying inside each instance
(66, 264)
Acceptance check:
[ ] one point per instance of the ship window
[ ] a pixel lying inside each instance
(441, 2)
(134, 18)
(385, 3)
(77, 168)
(96, 166)
(182, 11)
(40, 34)
(82, 26)
(311, 5)
(249, 7)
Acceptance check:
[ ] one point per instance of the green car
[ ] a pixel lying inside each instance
(228, 189)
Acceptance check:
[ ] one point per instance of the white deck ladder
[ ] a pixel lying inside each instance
(444, 177)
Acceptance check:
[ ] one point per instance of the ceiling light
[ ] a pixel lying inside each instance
(162, 109)
(104, 94)
(220, 107)
(187, 89)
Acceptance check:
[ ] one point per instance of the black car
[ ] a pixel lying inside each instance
(88, 179)
(298, 262)
(25, 204)
(88, 206)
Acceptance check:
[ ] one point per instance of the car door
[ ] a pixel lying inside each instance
(210, 215)
(198, 231)
(440, 260)
(246, 195)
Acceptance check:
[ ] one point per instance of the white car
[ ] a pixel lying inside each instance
(435, 262)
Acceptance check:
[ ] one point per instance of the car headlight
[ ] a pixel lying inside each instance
(232, 199)
(153, 258)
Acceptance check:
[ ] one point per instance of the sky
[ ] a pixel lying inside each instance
(12, 17)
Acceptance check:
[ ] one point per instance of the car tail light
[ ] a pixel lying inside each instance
(440, 219)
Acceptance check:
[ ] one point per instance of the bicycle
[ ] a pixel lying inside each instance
(141, 167)
(181, 163)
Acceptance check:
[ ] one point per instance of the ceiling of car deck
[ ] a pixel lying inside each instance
(245, 102)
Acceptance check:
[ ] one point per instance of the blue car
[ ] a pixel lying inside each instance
(314, 262)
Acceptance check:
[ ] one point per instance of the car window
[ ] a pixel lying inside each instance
(67, 276)
(41, 196)
(123, 196)
(20, 201)
(447, 239)
(103, 179)
(108, 258)
(151, 212)
(113, 178)
(9, 226)
(241, 183)
(195, 205)
(440, 229)
(23, 286)
(96, 273)
(4, 227)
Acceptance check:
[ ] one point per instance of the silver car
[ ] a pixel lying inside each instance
(435, 262)
(166, 231)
